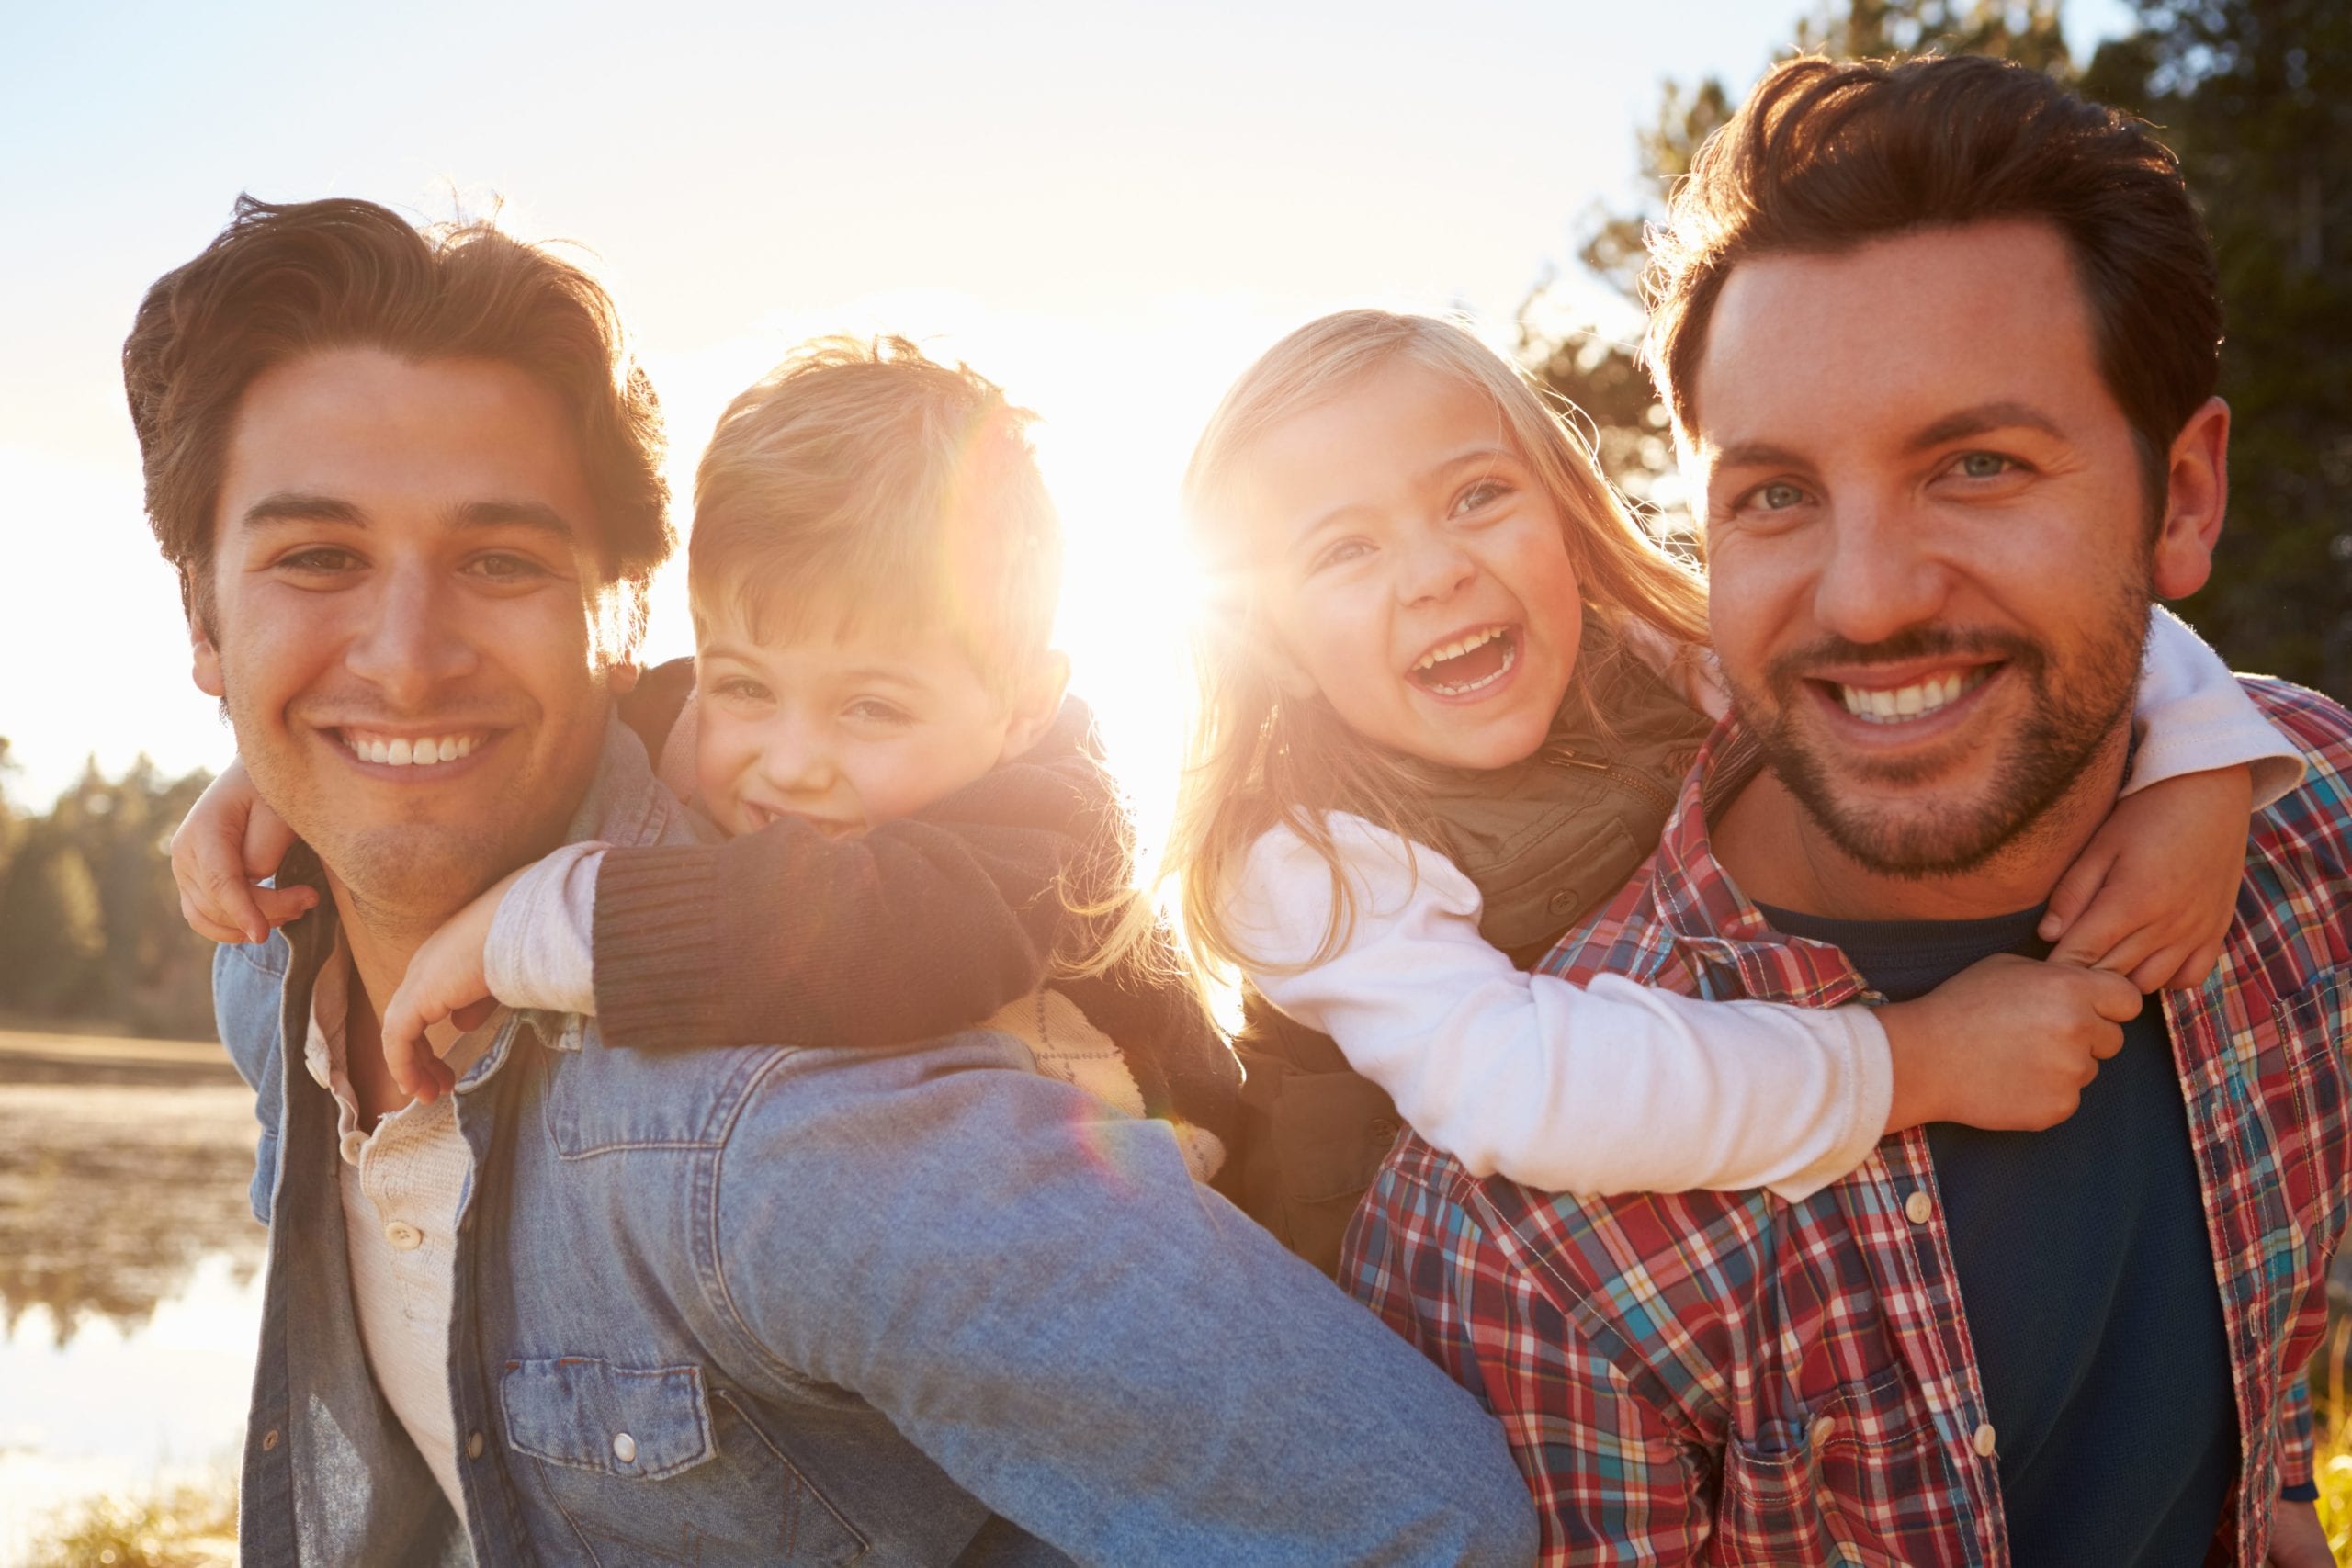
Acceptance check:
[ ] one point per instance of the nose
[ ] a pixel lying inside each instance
(1435, 567)
(1879, 576)
(415, 641)
(796, 759)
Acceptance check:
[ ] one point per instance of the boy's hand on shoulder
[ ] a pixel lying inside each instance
(229, 842)
(2008, 1043)
(2153, 893)
(446, 981)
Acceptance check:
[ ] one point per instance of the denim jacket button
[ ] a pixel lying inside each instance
(624, 1448)
(473, 1445)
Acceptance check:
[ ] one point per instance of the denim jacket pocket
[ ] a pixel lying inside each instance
(652, 1465)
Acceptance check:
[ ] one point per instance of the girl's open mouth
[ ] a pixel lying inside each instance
(1468, 664)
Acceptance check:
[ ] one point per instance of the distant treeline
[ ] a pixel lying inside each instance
(90, 930)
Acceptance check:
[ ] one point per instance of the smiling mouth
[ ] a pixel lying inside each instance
(411, 751)
(1468, 664)
(1908, 704)
(831, 827)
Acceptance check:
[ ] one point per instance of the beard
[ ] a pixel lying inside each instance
(2073, 713)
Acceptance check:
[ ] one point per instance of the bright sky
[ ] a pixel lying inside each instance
(1110, 208)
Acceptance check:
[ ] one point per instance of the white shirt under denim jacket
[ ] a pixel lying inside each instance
(790, 1306)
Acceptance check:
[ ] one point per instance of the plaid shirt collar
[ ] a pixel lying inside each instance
(1704, 913)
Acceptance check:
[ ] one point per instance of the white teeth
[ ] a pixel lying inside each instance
(1919, 698)
(400, 751)
(1457, 648)
(1511, 658)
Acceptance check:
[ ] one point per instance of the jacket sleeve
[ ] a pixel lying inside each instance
(2194, 717)
(1613, 1479)
(923, 927)
(1033, 1289)
(1612, 1087)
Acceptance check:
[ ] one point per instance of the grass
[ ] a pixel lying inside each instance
(184, 1527)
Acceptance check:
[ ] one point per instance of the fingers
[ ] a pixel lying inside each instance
(201, 921)
(2113, 996)
(267, 838)
(226, 899)
(2196, 969)
(279, 905)
(2076, 891)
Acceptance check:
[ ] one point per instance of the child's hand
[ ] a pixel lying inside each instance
(2008, 1043)
(229, 842)
(2153, 893)
(446, 980)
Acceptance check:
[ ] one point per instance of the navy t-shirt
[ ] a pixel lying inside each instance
(2087, 1278)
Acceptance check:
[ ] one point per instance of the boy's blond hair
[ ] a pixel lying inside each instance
(1256, 761)
(860, 485)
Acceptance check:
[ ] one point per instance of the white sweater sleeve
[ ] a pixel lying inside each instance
(2193, 716)
(1610, 1088)
(540, 952)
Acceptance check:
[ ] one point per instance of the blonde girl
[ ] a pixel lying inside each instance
(1448, 692)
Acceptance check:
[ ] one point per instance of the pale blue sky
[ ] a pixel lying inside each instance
(1110, 208)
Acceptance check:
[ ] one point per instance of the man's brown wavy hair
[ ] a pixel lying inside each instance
(282, 281)
(1825, 156)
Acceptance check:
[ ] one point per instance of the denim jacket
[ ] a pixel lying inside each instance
(864, 1306)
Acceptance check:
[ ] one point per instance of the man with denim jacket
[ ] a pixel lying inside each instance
(1940, 341)
(772, 1305)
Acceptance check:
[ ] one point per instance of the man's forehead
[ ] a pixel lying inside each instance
(1901, 330)
(373, 437)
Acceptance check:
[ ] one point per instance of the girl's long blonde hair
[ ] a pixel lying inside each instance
(1255, 759)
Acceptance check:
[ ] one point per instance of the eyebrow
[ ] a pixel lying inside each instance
(1958, 426)
(864, 674)
(1981, 419)
(290, 507)
(299, 506)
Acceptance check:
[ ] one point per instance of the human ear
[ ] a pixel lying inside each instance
(2197, 494)
(207, 671)
(1036, 705)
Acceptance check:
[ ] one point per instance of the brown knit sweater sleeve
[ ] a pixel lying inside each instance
(923, 926)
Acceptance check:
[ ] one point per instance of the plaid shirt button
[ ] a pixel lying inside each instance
(1984, 1441)
(1919, 1208)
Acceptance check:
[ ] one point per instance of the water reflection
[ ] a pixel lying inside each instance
(130, 1282)
(117, 1174)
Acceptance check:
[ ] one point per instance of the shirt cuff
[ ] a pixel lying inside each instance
(2299, 1492)
(1870, 1074)
(539, 952)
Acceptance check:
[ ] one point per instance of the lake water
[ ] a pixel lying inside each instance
(130, 1272)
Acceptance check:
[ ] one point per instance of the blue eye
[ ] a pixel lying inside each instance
(1778, 497)
(1984, 465)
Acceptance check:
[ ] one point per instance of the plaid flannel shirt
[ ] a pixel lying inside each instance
(1729, 1378)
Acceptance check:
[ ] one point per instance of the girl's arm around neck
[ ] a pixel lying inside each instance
(1610, 1088)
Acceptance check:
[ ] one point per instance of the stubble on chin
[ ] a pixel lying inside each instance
(2070, 719)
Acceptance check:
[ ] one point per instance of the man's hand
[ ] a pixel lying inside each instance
(2154, 891)
(229, 842)
(447, 980)
(2297, 1538)
(2008, 1043)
